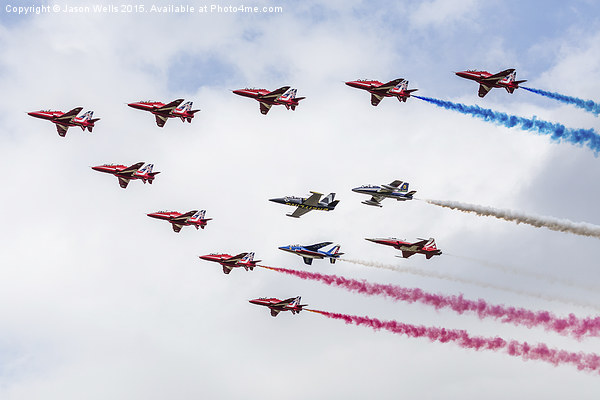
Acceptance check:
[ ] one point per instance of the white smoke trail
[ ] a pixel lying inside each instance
(437, 275)
(516, 271)
(555, 224)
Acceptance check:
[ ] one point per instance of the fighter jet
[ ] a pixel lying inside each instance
(423, 246)
(305, 205)
(163, 111)
(396, 88)
(178, 220)
(292, 304)
(391, 191)
(282, 96)
(245, 260)
(125, 173)
(64, 120)
(308, 253)
(487, 81)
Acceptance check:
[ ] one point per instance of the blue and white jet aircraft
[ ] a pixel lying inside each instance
(396, 190)
(308, 253)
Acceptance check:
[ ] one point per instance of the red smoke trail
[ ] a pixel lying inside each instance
(570, 325)
(540, 351)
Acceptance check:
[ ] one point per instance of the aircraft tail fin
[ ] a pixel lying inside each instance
(334, 253)
(198, 216)
(187, 106)
(403, 85)
(296, 302)
(329, 198)
(146, 169)
(430, 245)
(289, 94)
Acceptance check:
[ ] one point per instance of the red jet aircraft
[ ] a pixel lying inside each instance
(292, 304)
(487, 81)
(65, 120)
(284, 95)
(178, 220)
(163, 111)
(125, 173)
(396, 88)
(245, 260)
(423, 246)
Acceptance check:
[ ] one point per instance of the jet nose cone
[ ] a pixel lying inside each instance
(98, 168)
(352, 84)
(371, 240)
(277, 200)
(462, 74)
(137, 105)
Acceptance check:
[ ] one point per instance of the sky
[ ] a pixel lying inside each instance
(99, 301)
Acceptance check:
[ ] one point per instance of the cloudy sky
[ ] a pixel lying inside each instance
(99, 301)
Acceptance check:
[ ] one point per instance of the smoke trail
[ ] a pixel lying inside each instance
(540, 351)
(555, 224)
(587, 105)
(519, 316)
(517, 271)
(558, 132)
(437, 275)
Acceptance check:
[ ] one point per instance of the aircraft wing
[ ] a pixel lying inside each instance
(484, 89)
(61, 129)
(384, 189)
(176, 227)
(226, 269)
(171, 106)
(499, 76)
(235, 258)
(387, 86)
(275, 93)
(184, 217)
(274, 312)
(264, 108)
(283, 302)
(376, 199)
(420, 243)
(375, 99)
(123, 182)
(69, 115)
(132, 169)
(313, 200)
(160, 120)
(298, 212)
(407, 254)
(317, 246)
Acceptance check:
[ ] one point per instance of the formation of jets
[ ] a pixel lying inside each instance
(276, 305)
(243, 260)
(304, 205)
(311, 252)
(423, 246)
(285, 96)
(396, 88)
(124, 173)
(179, 220)
(64, 120)
(503, 79)
(396, 190)
(163, 111)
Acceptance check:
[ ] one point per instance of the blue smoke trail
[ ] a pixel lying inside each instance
(557, 132)
(587, 105)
